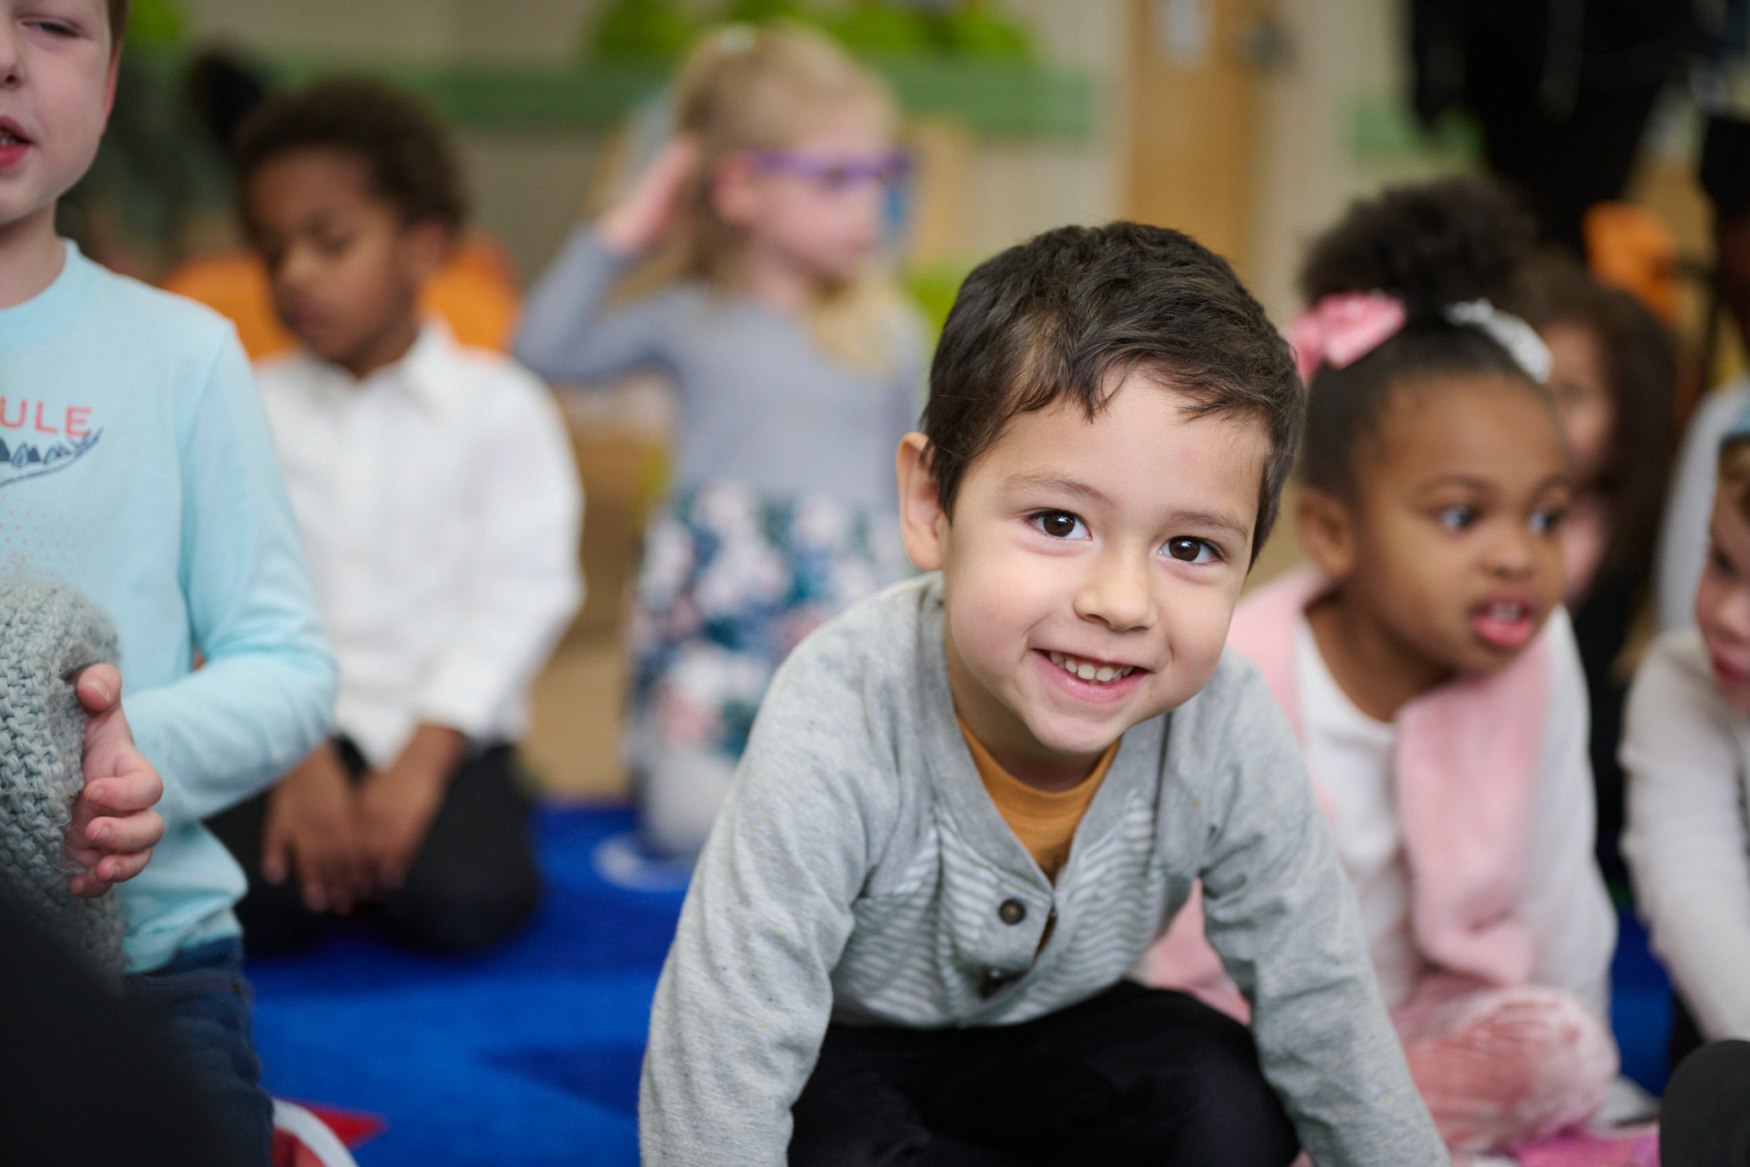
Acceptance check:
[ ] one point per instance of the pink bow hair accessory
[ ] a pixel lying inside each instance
(1340, 330)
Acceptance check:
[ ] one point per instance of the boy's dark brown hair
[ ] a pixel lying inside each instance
(404, 148)
(1050, 319)
(118, 20)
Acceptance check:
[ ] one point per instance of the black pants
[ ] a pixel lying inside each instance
(1134, 1075)
(472, 882)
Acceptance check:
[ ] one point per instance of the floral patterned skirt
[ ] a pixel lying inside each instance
(730, 583)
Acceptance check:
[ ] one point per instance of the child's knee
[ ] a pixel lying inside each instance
(682, 793)
(451, 915)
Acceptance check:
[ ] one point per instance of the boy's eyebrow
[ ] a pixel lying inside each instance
(1235, 527)
(1056, 482)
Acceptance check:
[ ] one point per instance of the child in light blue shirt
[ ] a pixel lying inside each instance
(135, 465)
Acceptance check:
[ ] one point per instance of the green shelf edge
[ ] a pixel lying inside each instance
(993, 98)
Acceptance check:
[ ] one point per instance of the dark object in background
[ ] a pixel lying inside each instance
(223, 89)
(1705, 1121)
(1562, 88)
(1725, 176)
(82, 1079)
(1725, 165)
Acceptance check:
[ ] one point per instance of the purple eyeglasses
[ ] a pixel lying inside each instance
(837, 174)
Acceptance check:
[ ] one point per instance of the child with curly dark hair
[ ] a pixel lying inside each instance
(1430, 670)
(438, 501)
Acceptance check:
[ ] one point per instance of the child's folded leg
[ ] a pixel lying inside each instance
(1502, 1067)
(473, 880)
(274, 917)
(680, 793)
(1132, 1075)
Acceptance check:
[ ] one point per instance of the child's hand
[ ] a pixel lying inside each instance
(640, 220)
(113, 828)
(397, 805)
(312, 826)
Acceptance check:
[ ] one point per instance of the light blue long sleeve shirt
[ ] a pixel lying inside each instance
(135, 465)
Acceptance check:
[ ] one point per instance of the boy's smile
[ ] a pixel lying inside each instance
(1090, 569)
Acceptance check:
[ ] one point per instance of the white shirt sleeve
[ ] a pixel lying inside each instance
(1563, 899)
(1688, 843)
(523, 580)
(1683, 531)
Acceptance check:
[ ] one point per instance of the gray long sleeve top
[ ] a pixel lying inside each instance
(760, 403)
(857, 870)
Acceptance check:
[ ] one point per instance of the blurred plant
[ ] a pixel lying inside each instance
(982, 30)
(767, 11)
(661, 31)
(879, 26)
(156, 25)
(641, 30)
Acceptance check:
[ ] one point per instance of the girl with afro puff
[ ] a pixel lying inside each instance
(1430, 670)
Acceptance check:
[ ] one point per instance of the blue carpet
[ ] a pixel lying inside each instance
(1640, 1005)
(530, 1055)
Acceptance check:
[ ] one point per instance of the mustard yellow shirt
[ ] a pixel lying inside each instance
(1045, 821)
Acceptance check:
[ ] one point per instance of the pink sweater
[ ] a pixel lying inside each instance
(1465, 766)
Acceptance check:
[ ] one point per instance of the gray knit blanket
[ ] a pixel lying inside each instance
(49, 631)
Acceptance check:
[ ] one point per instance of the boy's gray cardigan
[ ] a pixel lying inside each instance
(859, 873)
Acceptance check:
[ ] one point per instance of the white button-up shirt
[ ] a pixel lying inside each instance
(440, 508)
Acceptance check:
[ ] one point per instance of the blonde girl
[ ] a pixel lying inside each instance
(744, 264)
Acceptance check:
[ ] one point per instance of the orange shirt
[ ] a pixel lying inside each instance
(1045, 821)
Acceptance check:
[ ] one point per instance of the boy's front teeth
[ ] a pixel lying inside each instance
(8, 138)
(1088, 671)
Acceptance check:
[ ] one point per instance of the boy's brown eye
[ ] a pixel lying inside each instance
(1060, 524)
(1187, 550)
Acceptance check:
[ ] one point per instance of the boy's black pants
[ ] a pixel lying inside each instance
(1133, 1075)
(471, 884)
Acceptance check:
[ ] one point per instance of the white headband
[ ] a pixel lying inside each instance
(1507, 330)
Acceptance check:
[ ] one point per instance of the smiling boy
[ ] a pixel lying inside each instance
(143, 475)
(970, 804)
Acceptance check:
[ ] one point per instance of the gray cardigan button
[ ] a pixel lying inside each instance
(1012, 912)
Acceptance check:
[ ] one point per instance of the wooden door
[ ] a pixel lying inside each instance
(1192, 107)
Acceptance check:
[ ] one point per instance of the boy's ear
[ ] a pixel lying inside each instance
(922, 522)
(1327, 529)
(109, 78)
(428, 245)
